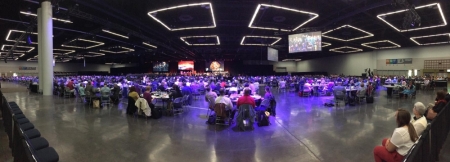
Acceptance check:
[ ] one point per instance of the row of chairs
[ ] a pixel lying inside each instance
(25, 141)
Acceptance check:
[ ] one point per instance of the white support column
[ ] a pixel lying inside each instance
(47, 48)
(39, 26)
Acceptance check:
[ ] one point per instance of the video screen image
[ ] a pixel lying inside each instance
(160, 67)
(272, 54)
(186, 65)
(215, 66)
(305, 42)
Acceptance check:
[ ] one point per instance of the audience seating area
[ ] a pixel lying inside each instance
(25, 140)
(430, 143)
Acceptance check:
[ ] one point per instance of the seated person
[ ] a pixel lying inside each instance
(438, 105)
(339, 87)
(210, 97)
(133, 96)
(282, 84)
(148, 97)
(361, 92)
(419, 121)
(369, 89)
(307, 87)
(115, 93)
(395, 148)
(394, 80)
(89, 90)
(447, 95)
(81, 91)
(105, 89)
(268, 95)
(246, 99)
(225, 100)
(175, 92)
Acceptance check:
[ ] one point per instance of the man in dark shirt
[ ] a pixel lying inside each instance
(447, 96)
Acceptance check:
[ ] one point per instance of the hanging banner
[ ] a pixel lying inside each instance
(399, 61)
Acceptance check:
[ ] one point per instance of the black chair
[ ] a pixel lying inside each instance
(131, 108)
(47, 155)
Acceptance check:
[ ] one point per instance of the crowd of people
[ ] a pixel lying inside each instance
(233, 92)
(409, 128)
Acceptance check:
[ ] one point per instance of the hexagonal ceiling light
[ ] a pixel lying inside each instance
(206, 5)
(258, 8)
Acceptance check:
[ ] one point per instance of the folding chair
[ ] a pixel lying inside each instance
(177, 105)
(105, 97)
(222, 115)
(338, 96)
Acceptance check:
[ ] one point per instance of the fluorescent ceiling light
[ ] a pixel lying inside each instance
(251, 36)
(427, 36)
(15, 54)
(94, 54)
(32, 59)
(339, 49)
(84, 40)
(393, 45)
(346, 40)
(148, 44)
(9, 58)
(292, 60)
(15, 50)
(116, 34)
(313, 16)
(444, 22)
(325, 44)
(153, 13)
(32, 14)
(63, 50)
(201, 44)
(18, 31)
(124, 50)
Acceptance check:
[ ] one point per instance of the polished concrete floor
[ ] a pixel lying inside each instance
(304, 130)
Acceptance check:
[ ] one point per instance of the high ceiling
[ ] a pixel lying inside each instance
(208, 30)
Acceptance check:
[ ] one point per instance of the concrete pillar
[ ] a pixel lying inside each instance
(39, 26)
(47, 48)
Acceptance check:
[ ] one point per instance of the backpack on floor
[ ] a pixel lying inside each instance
(156, 113)
(369, 99)
(263, 118)
(211, 120)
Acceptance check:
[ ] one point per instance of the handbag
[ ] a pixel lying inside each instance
(96, 103)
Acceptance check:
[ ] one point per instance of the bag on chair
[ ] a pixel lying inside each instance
(96, 103)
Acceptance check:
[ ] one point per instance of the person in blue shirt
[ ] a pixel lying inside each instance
(186, 90)
(394, 80)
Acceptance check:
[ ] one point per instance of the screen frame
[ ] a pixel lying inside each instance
(299, 34)
(193, 66)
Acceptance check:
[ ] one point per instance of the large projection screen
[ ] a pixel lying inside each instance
(305, 42)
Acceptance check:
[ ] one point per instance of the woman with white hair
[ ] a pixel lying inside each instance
(419, 120)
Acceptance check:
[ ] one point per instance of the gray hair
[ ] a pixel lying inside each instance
(420, 108)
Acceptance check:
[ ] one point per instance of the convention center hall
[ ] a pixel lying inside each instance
(224, 80)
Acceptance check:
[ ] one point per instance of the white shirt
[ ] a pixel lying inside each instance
(226, 101)
(400, 139)
(420, 125)
(282, 84)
